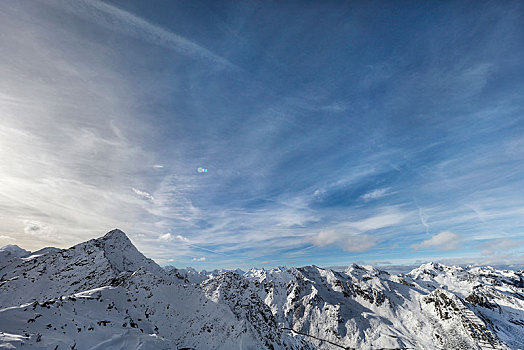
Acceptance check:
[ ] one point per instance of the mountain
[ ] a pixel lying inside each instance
(46, 250)
(92, 264)
(104, 294)
(11, 252)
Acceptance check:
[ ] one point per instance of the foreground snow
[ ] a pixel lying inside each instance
(104, 294)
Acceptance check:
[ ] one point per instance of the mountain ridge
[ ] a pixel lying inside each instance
(105, 294)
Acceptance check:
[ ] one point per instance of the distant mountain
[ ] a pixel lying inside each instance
(14, 250)
(104, 294)
(11, 252)
(46, 250)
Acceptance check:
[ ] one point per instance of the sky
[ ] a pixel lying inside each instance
(224, 134)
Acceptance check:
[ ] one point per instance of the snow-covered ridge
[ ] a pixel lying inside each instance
(11, 252)
(104, 294)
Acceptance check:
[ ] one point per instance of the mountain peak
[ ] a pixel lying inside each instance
(13, 248)
(122, 253)
(10, 252)
(115, 234)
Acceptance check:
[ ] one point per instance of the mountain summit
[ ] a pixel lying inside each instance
(122, 254)
(85, 266)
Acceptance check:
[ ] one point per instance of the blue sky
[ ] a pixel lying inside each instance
(331, 131)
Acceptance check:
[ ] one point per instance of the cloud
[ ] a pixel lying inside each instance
(338, 106)
(326, 237)
(167, 237)
(181, 238)
(358, 243)
(40, 230)
(112, 17)
(350, 242)
(380, 192)
(353, 236)
(199, 259)
(387, 218)
(445, 240)
(143, 194)
(6, 237)
(87, 113)
(500, 246)
(423, 219)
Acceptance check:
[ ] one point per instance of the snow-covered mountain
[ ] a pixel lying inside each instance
(432, 307)
(104, 294)
(11, 252)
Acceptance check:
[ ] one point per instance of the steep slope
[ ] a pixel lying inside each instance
(490, 302)
(340, 310)
(434, 306)
(242, 296)
(85, 266)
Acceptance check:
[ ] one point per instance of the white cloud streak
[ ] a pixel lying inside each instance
(143, 194)
(353, 236)
(112, 17)
(350, 242)
(445, 240)
(375, 194)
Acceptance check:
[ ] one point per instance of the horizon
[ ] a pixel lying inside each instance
(386, 266)
(265, 134)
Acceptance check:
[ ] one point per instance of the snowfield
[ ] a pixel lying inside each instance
(104, 294)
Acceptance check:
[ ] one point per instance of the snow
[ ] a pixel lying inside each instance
(46, 250)
(11, 252)
(104, 294)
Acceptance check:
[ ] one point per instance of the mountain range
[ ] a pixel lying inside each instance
(104, 294)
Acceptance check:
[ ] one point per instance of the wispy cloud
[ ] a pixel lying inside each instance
(501, 246)
(105, 121)
(125, 22)
(379, 192)
(353, 236)
(423, 218)
(445, 240)
(348, 241)
(143, 194)
(181, 238)
(388, 217)
(166, 237)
